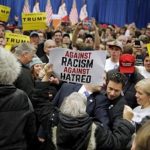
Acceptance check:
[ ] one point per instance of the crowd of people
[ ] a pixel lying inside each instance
(38, 111)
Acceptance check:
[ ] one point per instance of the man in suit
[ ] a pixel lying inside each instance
(96, 102)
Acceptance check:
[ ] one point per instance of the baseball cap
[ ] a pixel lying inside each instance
(126, 63)
(34, 33)
(116, 43)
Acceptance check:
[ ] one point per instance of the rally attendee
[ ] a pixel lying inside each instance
(115, 49)
(145, 70)
(24, 53)
(90, 42)
(127, 67)
(2, 29)
(17, 129)
(48, 46)
(57, 37)
(34, 38)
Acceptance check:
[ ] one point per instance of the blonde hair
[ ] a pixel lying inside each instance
(144, 84)
(74, 105)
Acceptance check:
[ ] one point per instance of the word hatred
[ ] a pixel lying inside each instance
(75, 78)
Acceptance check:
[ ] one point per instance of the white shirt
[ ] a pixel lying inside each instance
(140, 113)
(109, 65)
(143, 71)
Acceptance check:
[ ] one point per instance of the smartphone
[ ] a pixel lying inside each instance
(87, 25)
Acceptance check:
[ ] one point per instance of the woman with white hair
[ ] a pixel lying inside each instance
(17, 121)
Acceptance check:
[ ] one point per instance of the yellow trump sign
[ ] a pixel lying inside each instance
(4, 13)
(34, 21)
(15, 39)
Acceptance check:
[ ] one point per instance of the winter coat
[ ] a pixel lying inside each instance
(25, 81)
(17, 121)
(84, 134)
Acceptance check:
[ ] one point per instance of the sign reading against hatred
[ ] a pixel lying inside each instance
(15, 39)
(34, 21)
(78, 66)
(4, 13)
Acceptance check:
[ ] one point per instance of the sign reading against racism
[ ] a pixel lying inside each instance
(4, 13)
(78, 66)
(34, 21)
(15, 39)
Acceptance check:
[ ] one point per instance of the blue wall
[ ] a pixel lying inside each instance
(117, 12)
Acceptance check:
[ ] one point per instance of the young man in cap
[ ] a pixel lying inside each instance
(115, 49)
(127, 67)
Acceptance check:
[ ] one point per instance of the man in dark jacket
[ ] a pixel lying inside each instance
(17, 127)
(24, 53)
(126, 66)
(115, 96)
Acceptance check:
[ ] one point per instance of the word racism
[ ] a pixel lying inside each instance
(76, 67)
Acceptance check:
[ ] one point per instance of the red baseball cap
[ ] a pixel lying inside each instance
(126, 63)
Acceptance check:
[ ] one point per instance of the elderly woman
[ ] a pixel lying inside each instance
(143, 99)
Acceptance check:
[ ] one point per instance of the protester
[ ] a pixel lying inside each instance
(16, 112)
(143, 99)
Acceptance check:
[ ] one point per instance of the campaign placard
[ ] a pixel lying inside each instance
(15, 39)
(4, 13)
(78, 66)
(34, 21)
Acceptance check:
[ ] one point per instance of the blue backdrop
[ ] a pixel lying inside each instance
(119, 12)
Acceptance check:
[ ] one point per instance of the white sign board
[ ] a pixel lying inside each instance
(78, 66)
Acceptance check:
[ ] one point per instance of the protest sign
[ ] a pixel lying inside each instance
(78, 66)
(15, 39)
(34, 21)
(4, 13)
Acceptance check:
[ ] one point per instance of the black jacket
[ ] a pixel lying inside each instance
(129, 88)
(115, 139)
(96, 102)
(17, 121)
(73, 133)
(25, 81)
